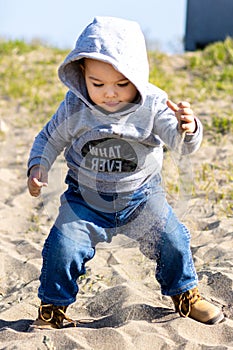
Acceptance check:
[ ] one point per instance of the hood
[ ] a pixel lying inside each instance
(113, 40)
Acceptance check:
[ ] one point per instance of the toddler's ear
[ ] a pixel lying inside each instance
(82, 65)
(82, 68)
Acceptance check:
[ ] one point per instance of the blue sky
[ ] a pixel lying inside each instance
(59, 22)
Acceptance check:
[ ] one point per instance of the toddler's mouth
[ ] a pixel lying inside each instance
(112, 103)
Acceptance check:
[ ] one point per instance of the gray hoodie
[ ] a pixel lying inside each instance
(111, 152)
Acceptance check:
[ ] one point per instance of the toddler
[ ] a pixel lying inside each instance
(112, 126)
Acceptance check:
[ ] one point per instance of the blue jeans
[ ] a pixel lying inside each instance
(87, 218)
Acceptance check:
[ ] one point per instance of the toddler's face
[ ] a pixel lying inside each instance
(107, 87)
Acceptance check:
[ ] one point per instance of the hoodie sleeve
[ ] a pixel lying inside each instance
(51, 140)
(166, 127)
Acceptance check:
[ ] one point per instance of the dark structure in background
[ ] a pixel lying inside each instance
(207, 21)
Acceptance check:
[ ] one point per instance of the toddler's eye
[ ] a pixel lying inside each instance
(98, 85)
(123, 84)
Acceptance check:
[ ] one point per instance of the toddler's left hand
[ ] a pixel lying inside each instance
(184, 115)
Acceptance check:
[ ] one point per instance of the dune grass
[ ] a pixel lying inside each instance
(28, 76)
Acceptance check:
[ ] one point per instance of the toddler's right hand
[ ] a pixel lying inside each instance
(37, 179)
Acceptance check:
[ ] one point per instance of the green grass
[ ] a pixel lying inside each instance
(28, 77)
(223, 125)
(212, 69)
(214, 182)
(18, 47)
(205, 76)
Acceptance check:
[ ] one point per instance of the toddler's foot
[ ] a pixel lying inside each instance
(191, 304)
(50, 316)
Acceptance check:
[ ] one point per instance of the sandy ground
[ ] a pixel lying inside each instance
(119, 292)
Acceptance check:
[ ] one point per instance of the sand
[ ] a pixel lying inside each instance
(119, 295)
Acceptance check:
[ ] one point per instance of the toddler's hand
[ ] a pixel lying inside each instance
(184, 115)
(37, 179)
